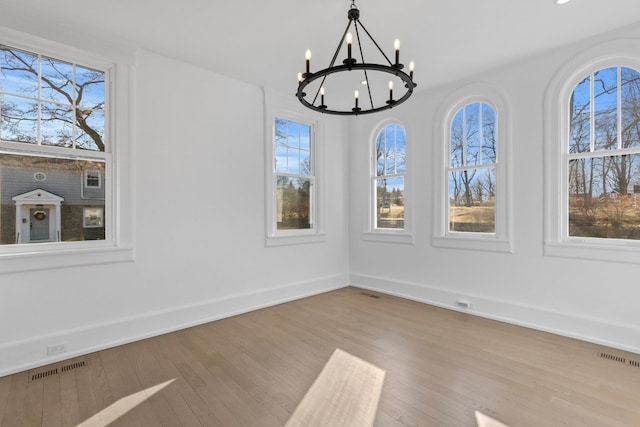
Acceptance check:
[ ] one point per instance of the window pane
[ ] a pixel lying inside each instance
(580, 116)
(605, 96)
(401, 150)
(305, 137)
(57, 125)
(472, 201)
(18, 72)
(604, 197)
(381, 156)
(473, 133)
(390, 202)
(488, 135)
(281, 159)
(63, 198)
(57, 81)
(293, 135)
(19, 119)
(90, 130)
(281, 131)
(293, 203)
(630, 93)
(390, 150)
(457, 139)
(89, 88)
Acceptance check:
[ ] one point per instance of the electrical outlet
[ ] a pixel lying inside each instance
(464, 304)
(56, 349)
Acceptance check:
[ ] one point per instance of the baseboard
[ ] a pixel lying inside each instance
(31, 353)
(590, 329)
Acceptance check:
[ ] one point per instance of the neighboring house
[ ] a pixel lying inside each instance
(49, 200)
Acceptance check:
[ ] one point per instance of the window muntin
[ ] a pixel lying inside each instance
(52, 122)
(471, 169)
(389, 179)
(294, 175)
(603, 156)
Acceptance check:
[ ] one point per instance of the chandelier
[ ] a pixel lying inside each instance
(371, 74)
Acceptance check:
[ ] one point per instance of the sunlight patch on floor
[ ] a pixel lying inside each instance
(122, 406)
(486, 421)
(346, 393)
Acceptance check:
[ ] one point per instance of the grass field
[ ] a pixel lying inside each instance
(475, 219)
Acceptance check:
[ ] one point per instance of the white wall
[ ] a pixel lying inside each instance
(199, 166)
(200, 237)
(592, 300)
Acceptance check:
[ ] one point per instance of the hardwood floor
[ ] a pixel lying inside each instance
(253, 370)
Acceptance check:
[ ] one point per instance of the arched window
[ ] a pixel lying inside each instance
(471, 163)
(388, 180)
(471, 169)
(603, 155)
(592, 155)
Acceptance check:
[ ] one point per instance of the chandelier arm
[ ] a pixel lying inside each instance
(333, 60)
(319, 87)
(374, 42)
(366, 76)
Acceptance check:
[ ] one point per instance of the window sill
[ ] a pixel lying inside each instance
(621, 252)
(489, 244)
(294, 239)
(388, 237)
(60, 258)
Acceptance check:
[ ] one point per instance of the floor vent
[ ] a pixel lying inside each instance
(49, 371)
(44, 374)
(612, 357)
(74, 365)
(369, 295)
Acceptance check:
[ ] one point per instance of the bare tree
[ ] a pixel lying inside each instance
(56, 94)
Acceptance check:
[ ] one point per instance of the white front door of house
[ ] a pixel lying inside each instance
(39, 224)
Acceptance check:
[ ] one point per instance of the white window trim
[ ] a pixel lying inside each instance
(278, 106)
(389, 235)
(556, 239)
(119, 244)
(502, 239)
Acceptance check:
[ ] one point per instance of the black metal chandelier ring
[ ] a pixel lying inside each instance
(408, 84)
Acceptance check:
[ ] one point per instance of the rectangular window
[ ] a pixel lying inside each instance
(294, 175)
(93, 217)
(92, 179)
(52, 137)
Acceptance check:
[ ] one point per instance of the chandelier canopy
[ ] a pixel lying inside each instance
(367, 74)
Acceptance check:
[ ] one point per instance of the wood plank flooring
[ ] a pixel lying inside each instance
(253, 370)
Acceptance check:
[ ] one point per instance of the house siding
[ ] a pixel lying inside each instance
(64, 178)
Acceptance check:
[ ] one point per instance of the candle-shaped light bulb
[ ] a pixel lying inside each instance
(396, 46)
(322, 95)
(390, 90)
(307, 56)
(299, 77)
(356, 94)
(412, 66)
(349, 43)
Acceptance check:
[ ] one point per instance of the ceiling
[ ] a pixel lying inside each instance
(263, 42)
